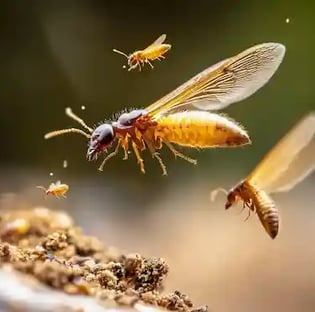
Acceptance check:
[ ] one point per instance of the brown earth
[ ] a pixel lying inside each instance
(47, 245)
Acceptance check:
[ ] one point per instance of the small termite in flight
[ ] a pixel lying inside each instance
(287, 164)
(56, 189)
(154, 51)
(182, 117)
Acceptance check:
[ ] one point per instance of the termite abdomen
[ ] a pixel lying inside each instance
(267, 212)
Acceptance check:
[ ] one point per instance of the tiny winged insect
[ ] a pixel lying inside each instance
(57, 189)
(168, 120)
(154, 51)
(287, 164)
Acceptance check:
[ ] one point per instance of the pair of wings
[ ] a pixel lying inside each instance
(156, 43)
(290, 161)
(224, 83)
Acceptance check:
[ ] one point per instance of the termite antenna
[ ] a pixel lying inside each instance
(42, 188)
(122, 53)
(55, 133)
(73, 116)
(215, 192)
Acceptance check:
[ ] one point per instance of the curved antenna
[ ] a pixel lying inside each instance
(55, 133)
(121, 53)
(73, 116)
(215, 192)
(42, 188)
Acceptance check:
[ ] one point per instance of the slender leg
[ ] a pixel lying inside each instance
(162, 165)
(139, 159)
(150, 64)
(179, 154)
(156, 155)
(244, 206)
(247, 215)
(250, 207)
(112, 154)
(125, 145)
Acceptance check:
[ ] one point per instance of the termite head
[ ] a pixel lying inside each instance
(231, 196)
(234, 195)
(101, 138)
(133, 59)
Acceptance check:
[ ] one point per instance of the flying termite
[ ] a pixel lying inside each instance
(287, 164)
(155, 51)
(171, 120)
(57, 189)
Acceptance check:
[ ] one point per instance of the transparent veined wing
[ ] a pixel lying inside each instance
(157, 42)
(226, 82)
(302, 166)
(289, 161)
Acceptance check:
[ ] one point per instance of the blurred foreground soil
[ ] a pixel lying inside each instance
(45, 247)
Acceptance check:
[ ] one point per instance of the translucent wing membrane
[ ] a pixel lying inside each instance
(226, 82)
(302, 165)
(158, 41)
(290, 161)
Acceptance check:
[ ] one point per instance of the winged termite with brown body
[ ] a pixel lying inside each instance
(168, 122)
(287, 164)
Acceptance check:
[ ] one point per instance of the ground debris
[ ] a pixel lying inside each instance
(49, 247)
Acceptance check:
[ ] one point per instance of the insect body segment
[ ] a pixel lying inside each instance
(153, 52)
(56, 189)
(199, 129)
(257, 201)
(266, 210)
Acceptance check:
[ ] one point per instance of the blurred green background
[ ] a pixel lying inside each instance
(59, 53)
(56, 54)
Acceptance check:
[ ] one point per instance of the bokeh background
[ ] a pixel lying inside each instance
(59, 53)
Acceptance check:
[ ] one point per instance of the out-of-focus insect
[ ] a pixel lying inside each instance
(154, 51)
(57, 189)
(168, 121)
(18, 227)
(287, 164)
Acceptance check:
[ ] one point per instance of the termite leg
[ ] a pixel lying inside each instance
(112, 154)
(247, 215)
(244, 206)
(156, 155)
(133, 66)
(139, 159)
(159, 159)
(147, 61)
(179, 154)
(125, 145)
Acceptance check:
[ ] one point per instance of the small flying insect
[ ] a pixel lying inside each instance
(171, 120)
(57, 189)
(287, 164)
(154, 51)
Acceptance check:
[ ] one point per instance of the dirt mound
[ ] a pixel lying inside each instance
(48, 246)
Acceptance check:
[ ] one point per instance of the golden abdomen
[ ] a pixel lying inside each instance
(266, 210)
(201, 130)
(155, 52)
